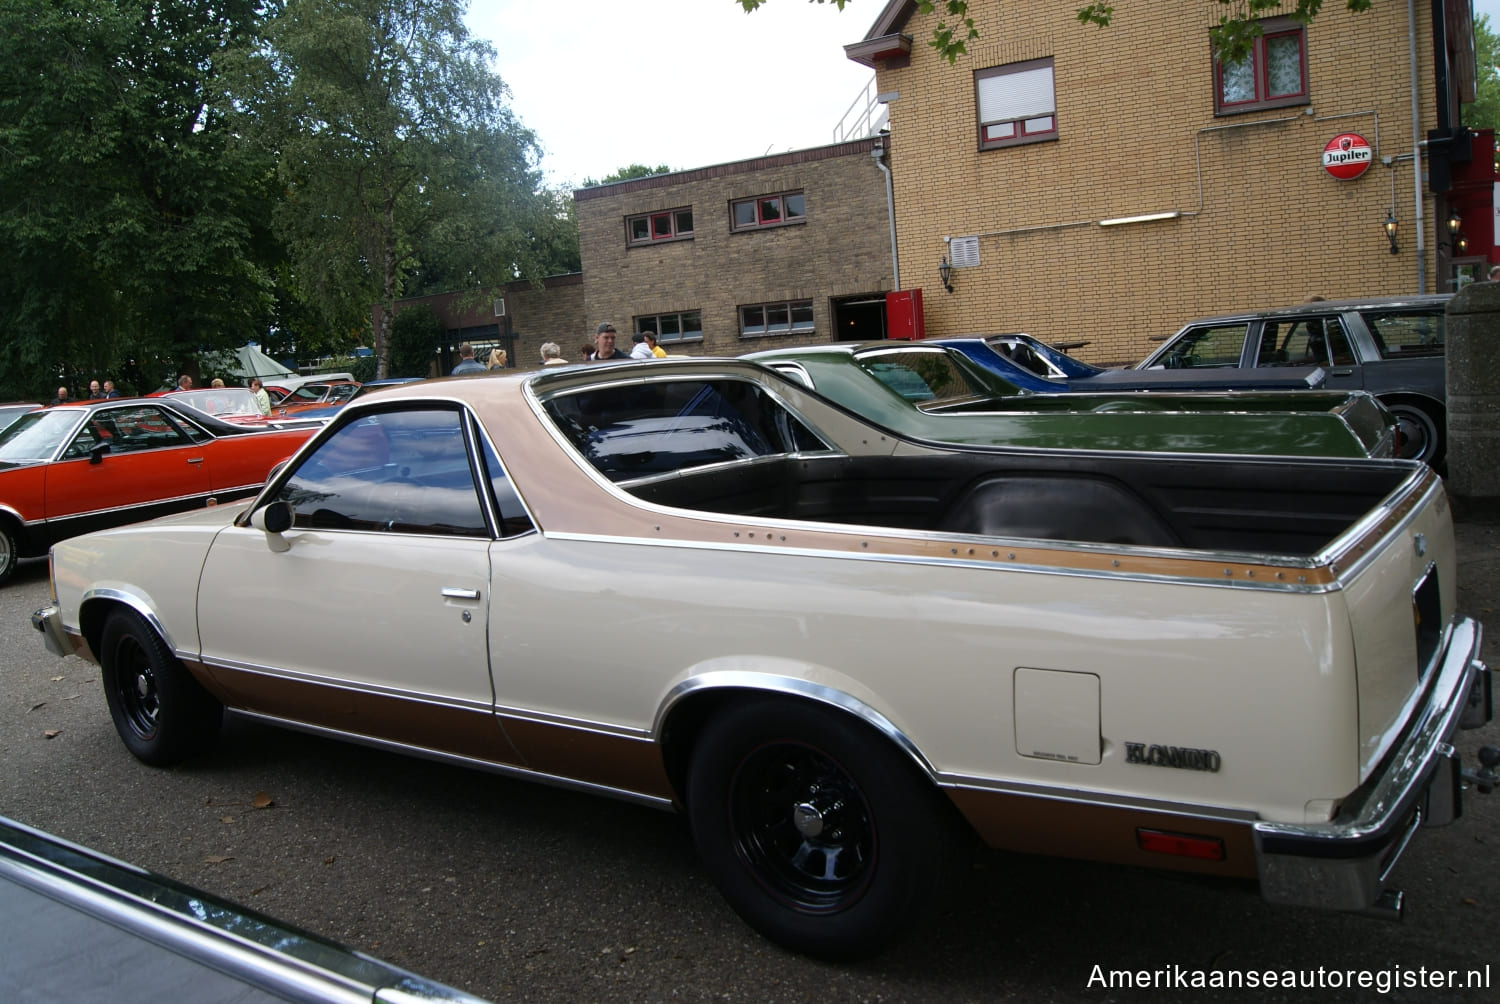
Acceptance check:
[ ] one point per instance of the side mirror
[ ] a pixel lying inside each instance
(274, 520)
(97, 452)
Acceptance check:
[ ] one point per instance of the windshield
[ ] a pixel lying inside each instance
(221, 401)
(37, 436)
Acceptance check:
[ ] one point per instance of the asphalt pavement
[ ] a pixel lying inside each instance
(518, 892)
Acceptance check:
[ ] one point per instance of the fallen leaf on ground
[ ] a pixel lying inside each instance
(218, 859)
(35, 706)
(72, 697)
(262, 800)
(52, 733)
(58, 679)
(226, 819)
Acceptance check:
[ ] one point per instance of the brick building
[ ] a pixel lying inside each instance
(1106, 185)
(786, 249)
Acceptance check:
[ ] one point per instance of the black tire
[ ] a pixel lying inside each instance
(820, 833)
(162, 714)
(10, 551)
(1422, 432)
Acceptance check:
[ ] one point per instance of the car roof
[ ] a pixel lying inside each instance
(1336, 306)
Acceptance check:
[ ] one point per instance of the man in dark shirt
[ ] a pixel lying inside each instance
(604, 344)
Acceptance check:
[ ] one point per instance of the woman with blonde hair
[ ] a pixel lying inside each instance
(497, 359)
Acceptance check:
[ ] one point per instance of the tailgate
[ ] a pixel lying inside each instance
(1401, 602)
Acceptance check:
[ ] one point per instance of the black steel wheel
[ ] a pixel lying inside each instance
(162, 714)
(819, 831)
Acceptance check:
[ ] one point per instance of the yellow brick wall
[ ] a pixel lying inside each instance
(1262, 223)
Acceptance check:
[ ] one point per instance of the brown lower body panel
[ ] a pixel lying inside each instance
(622, 763)
(1035, 825)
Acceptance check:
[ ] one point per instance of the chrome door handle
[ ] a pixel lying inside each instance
(195, 460)
(454, 593)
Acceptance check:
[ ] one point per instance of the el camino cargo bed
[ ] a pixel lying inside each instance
(1289, 507)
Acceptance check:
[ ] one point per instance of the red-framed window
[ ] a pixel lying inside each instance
(767, 211)
(668, 225)
(1015, 103)
(1273, 75)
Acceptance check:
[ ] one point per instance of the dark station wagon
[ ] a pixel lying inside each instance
(1390, 346)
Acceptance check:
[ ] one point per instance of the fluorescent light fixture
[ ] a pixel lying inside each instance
(1122, 220)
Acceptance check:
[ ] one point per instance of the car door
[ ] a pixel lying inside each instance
(1311, 340)
(123, 465)
(369, 615)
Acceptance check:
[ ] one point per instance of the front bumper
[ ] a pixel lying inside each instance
(48, 621)
(1343, 864)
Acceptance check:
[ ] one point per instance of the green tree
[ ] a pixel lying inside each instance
(124, 190)
(1484, 113)
(414, 340)
(629, 173)
(398, 152)
(1231, 37)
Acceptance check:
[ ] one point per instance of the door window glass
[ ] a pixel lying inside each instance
(1307, 341)
(1211, 346)
(395, 472)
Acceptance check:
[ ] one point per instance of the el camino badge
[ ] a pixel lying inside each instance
(1182, 757)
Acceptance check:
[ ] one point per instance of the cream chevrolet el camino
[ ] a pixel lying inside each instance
(694, 584)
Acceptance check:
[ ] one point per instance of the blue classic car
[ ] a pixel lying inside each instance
(1390, 346)
(1031, 364)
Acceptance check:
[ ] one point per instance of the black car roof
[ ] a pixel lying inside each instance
(1324, 306)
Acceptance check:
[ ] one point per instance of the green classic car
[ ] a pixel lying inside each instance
(932, 392)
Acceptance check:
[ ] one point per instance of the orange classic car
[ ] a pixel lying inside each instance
(70, 469)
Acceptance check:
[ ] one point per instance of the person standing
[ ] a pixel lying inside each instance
(498, 359)
(466, 363)
(552, 354)
(640, 350)
(262, 398)
(656, 350)
(62, 397)
(109, 389)
(184, 382)
(604, 344)
(95, 394)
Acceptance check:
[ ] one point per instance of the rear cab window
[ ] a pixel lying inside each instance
(632, 431)
(1405, 334)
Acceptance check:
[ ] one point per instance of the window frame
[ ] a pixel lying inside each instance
(761, 223)
(1022, 136)
(652, 322)
(790, 307)
(672, 218)
(1271, 28)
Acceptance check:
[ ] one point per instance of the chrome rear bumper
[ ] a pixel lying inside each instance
(1343, 864)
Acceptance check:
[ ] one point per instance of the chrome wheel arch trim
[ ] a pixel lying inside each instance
(135, 603)
(489, 766)
(794, 687)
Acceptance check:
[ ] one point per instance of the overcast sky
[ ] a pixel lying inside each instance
(686, 83)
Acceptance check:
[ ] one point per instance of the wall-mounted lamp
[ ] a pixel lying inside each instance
(1455, 223)
(1390, 231)
(945, 273)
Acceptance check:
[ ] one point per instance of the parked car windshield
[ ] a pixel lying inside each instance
(633, 430)
(221, 401)
(36, 436)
